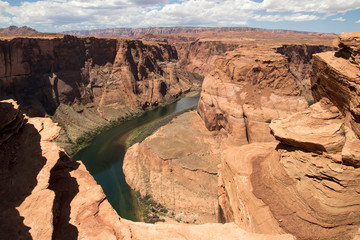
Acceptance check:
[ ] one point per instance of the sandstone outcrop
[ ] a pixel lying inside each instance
(177, 167)
(247, 89)
(306, 185)
(45, 195)
(305, 175)
(336, 76)
(86, 82)
(40, 186)
(349, 44)
(319, 128)
(300, 64)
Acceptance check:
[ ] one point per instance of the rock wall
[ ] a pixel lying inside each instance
(336, 76)
(45, 195)
(130, 32)
(177, 167)
(300, 58)
(305, 184)
(200, 55)
(85, 82)
(247, 89)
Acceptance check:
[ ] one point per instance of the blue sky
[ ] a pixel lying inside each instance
(304, 15)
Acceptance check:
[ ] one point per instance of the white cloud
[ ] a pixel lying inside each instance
(59, 15)
(293, 17)
(339, 19)
(203, 12)
(358, 21)
(4, 19)
(319, 6)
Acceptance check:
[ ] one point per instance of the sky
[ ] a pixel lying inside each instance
(302, 15)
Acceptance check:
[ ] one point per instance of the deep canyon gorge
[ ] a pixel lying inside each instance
(272, 150)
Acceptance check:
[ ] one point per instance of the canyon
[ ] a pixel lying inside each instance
(86, 83)
(254, 161)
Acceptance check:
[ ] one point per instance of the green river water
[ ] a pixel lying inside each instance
(104, 156)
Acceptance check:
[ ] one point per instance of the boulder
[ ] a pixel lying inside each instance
(319, 128)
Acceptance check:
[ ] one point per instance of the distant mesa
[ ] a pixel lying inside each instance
(14, 30)
(134, 32)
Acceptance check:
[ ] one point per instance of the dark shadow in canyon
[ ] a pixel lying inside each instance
(20, 162)
(65, 188)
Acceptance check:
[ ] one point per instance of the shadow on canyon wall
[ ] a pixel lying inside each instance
(21, 161)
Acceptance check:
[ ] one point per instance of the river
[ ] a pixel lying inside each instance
(104, 157)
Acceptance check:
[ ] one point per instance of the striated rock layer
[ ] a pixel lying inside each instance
(45, 195)
(307, 184)
(336, 76)
(177, 167)
(247, 89)
(284, 166)
(86, 82)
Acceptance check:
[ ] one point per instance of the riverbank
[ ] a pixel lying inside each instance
(103, 156)
(73, 147)
(138, 135)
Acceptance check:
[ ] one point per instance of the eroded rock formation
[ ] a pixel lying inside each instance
(85, 82)
(177, 167)
(300, 64)
(307, 184)
(303, 179)
(336, 76)
(45, 195)
(247, 89)
(285, 167)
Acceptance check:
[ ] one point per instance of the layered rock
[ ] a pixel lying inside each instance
(319, 128)
(40, 187)
(247, 89)
(300, 186)
(300, 64)
(306, 185)
(45, 195)
(349, 44)
(177, 167)
(308, 166)
(200, 55)
(336, 76)
(100, 79)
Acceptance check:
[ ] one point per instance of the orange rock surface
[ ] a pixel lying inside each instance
(45, 195)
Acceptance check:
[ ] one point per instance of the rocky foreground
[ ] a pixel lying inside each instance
(45, 195)
(284, 166)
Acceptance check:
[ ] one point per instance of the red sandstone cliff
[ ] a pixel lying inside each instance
(307, 183)
(45, 195)
(284, 166)
(85, 82)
